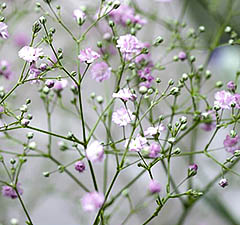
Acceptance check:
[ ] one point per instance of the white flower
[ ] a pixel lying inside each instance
(30, 54)
(95, 152)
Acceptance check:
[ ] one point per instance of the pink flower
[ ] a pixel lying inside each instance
(122, 117)
(223, 99)
(125, 94)
(60, 85)
(21, 39)
(3, 30)
(8, 191)
(88, 55)
(79, 15)
(137, 144)
(92, 201)
(95, 152)
(231, 86)
(154, 187)
(208, 118)
(151, 131)
(232, 144)
(154, 150)
(50, 83)
(128, 45)
(34, 73)
(124, 14)
(101, 71)
(145, 74)
(30, 54)
(5, 69)
(236, 98)
(182, 56)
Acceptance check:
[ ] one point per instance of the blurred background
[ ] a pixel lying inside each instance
(56, 200)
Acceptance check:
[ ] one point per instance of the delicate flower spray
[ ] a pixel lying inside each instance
(113, 124)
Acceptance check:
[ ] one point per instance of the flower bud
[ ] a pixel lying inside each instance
(201, 28)
(223, 183)
(32, 145)
(42, 20)
(79, 166)
(62, 146)
(116, 4)
(143, 90)
(46, 174)
(154, 187)
(36, 27)
(99, 99)
(25, 122)
(170, 82)
(158, 41)
(24, 108)
(219, 84)
(192, 170)
(49, 83)
(228, 29)
(30, 135)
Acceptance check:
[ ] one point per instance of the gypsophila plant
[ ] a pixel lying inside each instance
(115, 109)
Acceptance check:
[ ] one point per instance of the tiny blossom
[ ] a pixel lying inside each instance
(79, 15)
(34, 72)
(88, 55)
(124, 14)
(192, 170)
(21, 39)
(208, 124)
(30, 54)
(8, 191)
(92, 201)
(50, 83)
(151, 131)
(43, 66)
(79, 166)
(232, 144)
(5, 69)
(129, 45)
(95, 152)
(223, 99)
(3, 30)
(25, 122)
(137, 144)
(223, 182)
(236, 100)
(154, 150)
(145, 74)
(125, 94)
(154, 187)
(231, 86)
(60, 85)
(122, 117)
(101, 71)
(182, 56)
